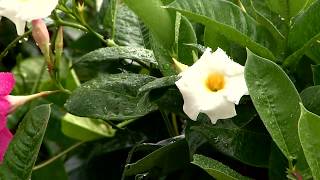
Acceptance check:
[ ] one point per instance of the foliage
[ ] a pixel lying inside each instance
(117, 113)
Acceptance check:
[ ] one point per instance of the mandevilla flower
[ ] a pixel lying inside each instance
(6, 84)
(212, 85)
(8, 104)
(21, 11)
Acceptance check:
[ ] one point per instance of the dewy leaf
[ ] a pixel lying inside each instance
(163, 57)
(128, 28)
(157, 19)
(85, 129)
(159, 83)
(216, 169)
(23, 149)
(248, 144)
(111, 97)
(277, 102)
(309, 125)
(117, 53)
(287, 8)
(316, 74)
(305, 32)
(311, 99)
(229, 20)
(166, 159)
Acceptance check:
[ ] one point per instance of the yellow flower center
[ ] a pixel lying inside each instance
(215, 82)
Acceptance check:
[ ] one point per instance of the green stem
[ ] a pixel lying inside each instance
(13, 43)
(174, 123)
(39, 77)
(125, 123)
(114, 16)
(168, 124)
(51, 160)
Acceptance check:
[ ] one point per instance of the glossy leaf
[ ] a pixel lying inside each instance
(111, 97)
(287, 9)
(109, 54)
(241, 28)
(166, 159)
(269, 88)
(163, 57)
(186, 36)
(148, 11)
(215, 168)
(305, 32)
(23, 150)
(128, 28)
(308, 128)
(316, 74)
(159, 83)
(248, 144)
(85, 129)
(310, 99)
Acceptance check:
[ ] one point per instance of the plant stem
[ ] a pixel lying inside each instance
(13, 43)
(39, 77)
(168, 124)
(51, 160)
(174, 123)
(125, 123)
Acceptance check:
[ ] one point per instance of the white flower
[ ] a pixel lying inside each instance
(212, 85)
(21, 11)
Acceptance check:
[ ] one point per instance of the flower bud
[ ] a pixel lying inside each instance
(41, 36)
(58, 46)
(179, 66)
(17, 101)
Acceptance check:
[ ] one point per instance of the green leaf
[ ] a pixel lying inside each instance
(129, 31)
(214, 39)
(248, 144)
(54, 170)
(260, 11)
(157, 19)
(111, 97)
(288, 8)
(186, 36)
(316, 74)
(23, 150)
(240, 28)
(159, 83)
(269, 88)
(308, 128)
(305, 32)
(166, 159)
(163, 57)
(278, 164)
(310, 99)
(110, 54)
(85, 129)
(215, 168)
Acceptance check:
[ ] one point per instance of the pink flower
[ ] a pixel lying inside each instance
(8, 104)
(6, 85)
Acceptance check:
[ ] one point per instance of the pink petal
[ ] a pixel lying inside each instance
(6, 83)
(5, 138)
(4, 108)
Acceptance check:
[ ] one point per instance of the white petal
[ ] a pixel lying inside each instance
(190, 106)
(20, 11)
(224, 110)
(235, 88)
(226, 64)
(20, 24)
